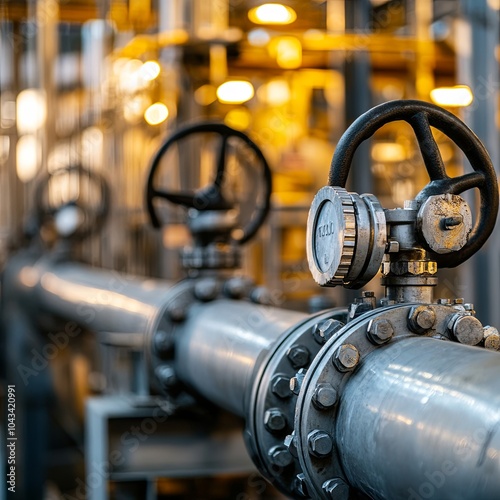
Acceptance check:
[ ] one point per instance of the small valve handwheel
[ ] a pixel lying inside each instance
(210, 198)
(74, 199)
(444, 220)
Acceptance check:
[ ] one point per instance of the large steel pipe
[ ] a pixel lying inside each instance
(103, 301)
(219, 345)
(421, 419)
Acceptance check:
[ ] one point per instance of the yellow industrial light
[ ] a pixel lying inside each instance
(28, 152)
(150, 70)
(239, 118)
(31, 111)
(288, 52)
(235, 92)
(156, 113)
(388, 152)
(457, 96)
(272, 13)
(275, 93)
(205, 95)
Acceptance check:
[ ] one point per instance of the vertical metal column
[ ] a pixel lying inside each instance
(358, 97)
(477, 39)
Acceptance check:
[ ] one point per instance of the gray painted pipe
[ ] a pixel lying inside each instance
(421, 419)
(219, 344)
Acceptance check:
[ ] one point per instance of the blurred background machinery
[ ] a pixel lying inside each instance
(99, 85)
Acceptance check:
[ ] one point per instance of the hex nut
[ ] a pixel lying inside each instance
(491, 338)
(206, 290)
(166, 376)
(280, 386)
(466, 329)
(280, 456)
(274, 420)
(163, 342)
(421, 319)
(320, 443)
(413, 267)
(177, 312)
(336, 489)
(298, 355)
(325, 396)
(380, 331)
(300, 485)
(346, 357)
(324, 331)
(296, 381)
(444, 302)
(291, 443)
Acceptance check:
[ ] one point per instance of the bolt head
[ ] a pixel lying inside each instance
(206, 290)
(296, 381)
(177, 312)
(298, 355)
(444, 302)
(491, 338)
(325, 396)
(274, 420)
(467, 329)
(421, 319)
(320, 443)
(163, 342)
(280, 456)
(290, 443)
(166, 376)
(346, 357)
(324, 331)
(300, 485)
(280, 386)
(380, 331)
(336, 489)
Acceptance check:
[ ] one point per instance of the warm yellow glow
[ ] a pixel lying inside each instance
(205, 95)
(27, 157)
(31, 111)
(272, 13)
(457, 96)
(274, 93)
(134, 107)
(235, 92)
(238, 118)
(150, 70)
(384, 152)
(133, 75)
(156, 113)
(288, 51)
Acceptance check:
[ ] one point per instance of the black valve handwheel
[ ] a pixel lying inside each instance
(421, 116)
(210, 197)
(94, 215)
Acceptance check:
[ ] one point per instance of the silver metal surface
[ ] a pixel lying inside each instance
(421, 419)
(103, 301)
(331, 233)
(219, 343)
